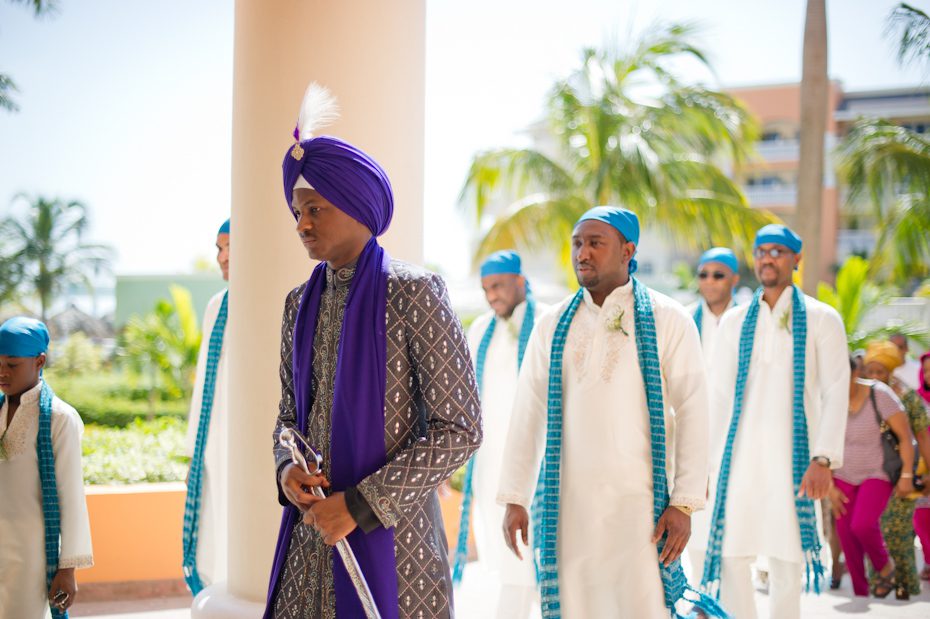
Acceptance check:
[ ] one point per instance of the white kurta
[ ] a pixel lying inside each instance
(608, 565)
(23, 592)
(499, 385)
(700, 521)
(760, 512)
(211, 540)
(710, 323)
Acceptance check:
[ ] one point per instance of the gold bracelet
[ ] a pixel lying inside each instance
(684, 509)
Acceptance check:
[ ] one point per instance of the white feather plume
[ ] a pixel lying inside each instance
(319, 109)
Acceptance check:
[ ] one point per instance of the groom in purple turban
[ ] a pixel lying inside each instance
(375, 372)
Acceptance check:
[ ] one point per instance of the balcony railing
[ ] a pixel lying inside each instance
(779, 150)
(850, 242)
(783, 195)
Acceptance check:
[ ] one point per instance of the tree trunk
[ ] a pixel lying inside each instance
(814, 95)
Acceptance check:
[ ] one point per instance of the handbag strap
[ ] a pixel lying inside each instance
(878, 416)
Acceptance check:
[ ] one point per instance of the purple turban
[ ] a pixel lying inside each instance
(346, 176)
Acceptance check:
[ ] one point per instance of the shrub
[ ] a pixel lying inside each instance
(142, 452)
(108, 399)
(78, 355)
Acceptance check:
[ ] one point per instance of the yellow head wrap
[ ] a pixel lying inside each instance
(884, 352)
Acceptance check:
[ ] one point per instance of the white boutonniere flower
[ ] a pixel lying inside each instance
(513, 329)
(615, 321)
(785, 321)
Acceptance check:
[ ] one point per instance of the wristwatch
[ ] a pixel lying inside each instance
(823, 460)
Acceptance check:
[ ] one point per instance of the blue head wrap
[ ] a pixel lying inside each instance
(723, 255)
(346, 176)
(624, 220)
(780, 235)
(504, 261)
(23, 337)
(224, 229)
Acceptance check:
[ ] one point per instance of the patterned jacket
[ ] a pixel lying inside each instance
(432, 425)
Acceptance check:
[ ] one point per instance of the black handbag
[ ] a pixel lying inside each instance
(891, 451)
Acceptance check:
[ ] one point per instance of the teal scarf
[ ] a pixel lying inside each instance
(807, 519)
(51, 512)
(675, 585)
(526, 328)
(195, 477)
(699, 316)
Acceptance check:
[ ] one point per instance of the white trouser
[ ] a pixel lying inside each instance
(737, 594)
(516, 601)
(695, 566)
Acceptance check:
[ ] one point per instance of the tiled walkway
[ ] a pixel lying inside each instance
(474, 602)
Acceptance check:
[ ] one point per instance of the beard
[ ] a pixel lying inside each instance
(588, 279)
(769, 276)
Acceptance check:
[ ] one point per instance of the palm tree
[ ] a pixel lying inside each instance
(10, 278)
(911, 27)
(46, 242)
(7, 85)
(814, 85)
(626, 130)
(887, 170)
(161, 347)
(854, 296)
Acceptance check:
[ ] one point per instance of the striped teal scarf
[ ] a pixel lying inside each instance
(195, 477)
(51, 512)
(529, 317)
(674, 583)
(807, 519)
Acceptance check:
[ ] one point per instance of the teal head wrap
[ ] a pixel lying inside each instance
(780, 235)
(23, 337)
(505, 261)
(624, 220)
(723, 255)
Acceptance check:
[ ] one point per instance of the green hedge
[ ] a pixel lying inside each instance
(142, 452)
(109, 399)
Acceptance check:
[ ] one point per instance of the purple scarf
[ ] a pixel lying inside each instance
(357, 446)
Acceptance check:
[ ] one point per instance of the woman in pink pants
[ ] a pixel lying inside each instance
(922, 511)
(862, 487)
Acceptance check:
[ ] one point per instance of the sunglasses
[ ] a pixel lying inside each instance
(774, 252)
(718, 275)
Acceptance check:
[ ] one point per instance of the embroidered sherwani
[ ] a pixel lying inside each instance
(608, 565)
(23, 592)
(432, 425)
(517, 578)
(211, 556)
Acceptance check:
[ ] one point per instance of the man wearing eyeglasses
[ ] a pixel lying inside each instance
(779, 392)
(718, 276)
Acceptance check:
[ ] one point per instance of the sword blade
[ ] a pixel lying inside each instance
(286, 438)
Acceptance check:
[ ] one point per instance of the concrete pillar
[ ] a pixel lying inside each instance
(371, 56)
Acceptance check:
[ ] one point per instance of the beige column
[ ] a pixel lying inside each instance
(370, 54)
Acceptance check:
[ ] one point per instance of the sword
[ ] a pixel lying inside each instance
(288, 439)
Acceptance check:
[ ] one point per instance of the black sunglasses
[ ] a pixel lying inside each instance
(716, 275)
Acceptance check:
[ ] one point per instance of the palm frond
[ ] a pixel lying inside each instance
(505, 174)
(629, 131)
(7, 88)
(911, 27)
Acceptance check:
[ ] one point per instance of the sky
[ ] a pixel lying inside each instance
(126, 105)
